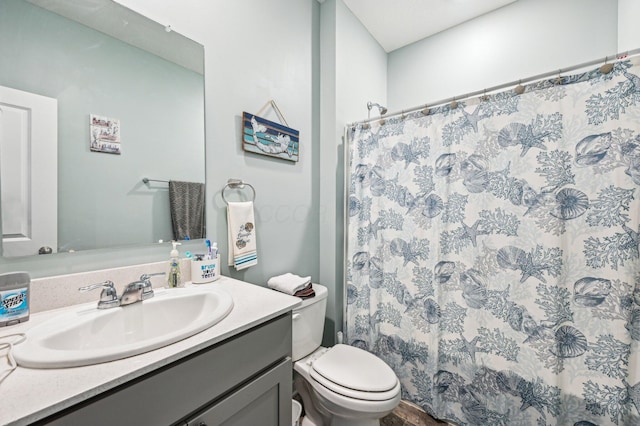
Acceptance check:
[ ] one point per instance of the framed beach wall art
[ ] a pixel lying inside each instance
(105, 134)
(265, 137)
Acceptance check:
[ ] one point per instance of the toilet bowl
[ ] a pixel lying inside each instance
(341, 385)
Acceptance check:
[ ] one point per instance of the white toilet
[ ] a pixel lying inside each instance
(342, 385)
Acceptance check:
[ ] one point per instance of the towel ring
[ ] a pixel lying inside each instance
(237, 184)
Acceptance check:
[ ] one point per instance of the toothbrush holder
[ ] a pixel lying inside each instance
(205, 271)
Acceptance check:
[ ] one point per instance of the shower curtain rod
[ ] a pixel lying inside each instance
(614, 58)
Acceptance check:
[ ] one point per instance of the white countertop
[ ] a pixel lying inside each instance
(28, 394)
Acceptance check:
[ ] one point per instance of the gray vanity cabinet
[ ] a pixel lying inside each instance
(243, 380)
(257, 403)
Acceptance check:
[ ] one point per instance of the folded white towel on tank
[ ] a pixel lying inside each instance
(288, 283)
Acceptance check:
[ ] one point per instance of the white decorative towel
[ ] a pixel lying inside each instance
(288, 283)
(242, 235)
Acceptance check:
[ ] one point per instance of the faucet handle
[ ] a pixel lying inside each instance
(147, 288)
(108, 296)
(145, 277)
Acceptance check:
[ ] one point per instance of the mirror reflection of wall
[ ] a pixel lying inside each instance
(102, 201)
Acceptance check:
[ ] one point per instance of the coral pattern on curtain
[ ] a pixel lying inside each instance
(492, 252)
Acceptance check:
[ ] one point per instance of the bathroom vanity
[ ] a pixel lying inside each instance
(237, 372)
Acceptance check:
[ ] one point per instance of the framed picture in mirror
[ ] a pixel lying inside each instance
(105, 134)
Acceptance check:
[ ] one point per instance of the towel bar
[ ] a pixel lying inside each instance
(147, 180)
(239, 184)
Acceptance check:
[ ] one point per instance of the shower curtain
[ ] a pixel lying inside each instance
(493, 252)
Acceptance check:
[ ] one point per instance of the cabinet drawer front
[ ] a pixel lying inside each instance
(264, 401)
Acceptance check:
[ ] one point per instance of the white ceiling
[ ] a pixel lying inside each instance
(397, 23)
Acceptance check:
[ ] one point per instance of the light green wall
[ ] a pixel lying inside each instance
(628, 28)
(523, 39)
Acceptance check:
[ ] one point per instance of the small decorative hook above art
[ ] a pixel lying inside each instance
(262, 136)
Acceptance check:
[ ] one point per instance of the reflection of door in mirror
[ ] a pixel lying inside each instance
(28, 176)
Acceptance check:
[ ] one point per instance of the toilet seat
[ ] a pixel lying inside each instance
(355, 373)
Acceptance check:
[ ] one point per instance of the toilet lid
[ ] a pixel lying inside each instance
(352, 368)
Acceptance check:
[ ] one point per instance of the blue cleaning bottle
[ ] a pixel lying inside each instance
(175, 276)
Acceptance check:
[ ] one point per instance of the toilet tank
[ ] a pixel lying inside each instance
(308, 323)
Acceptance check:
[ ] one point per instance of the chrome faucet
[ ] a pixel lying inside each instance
(138, 291)
(108, 297)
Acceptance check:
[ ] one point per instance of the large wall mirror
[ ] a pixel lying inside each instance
(98, 58)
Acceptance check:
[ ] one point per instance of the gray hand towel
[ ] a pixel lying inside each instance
(186, 201)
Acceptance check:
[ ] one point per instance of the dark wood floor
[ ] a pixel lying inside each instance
(394, 420)
(408, 414)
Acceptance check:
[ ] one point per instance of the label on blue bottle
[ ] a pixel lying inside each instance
(14, 304)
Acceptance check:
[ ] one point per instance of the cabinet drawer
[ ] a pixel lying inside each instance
(173, 392)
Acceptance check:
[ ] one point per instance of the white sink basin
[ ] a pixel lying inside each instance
(90, 335)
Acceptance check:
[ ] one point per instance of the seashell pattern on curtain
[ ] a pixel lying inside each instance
(493, 252)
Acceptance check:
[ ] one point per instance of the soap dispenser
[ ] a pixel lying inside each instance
(175, 277)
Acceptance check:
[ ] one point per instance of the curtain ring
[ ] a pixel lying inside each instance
(519, 89)
(559, 79)
(606, 68)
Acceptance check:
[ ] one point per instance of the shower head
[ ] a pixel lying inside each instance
(381, 109)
